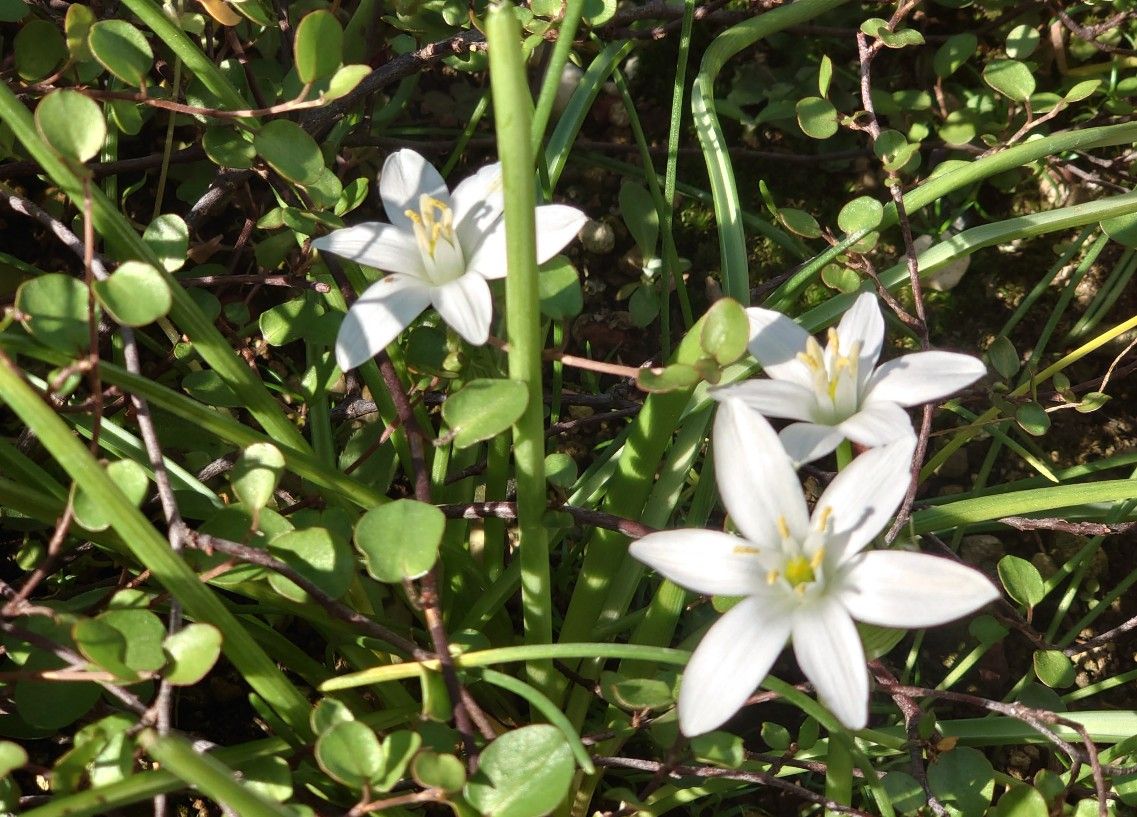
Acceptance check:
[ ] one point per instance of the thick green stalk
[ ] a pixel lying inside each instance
(724, 187)
(512, 114)
(125, 242)
(152, 550)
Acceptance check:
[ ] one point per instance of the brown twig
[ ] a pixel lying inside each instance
(584, 516)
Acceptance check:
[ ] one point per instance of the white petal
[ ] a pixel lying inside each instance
(406, 175)
(755, 478)
(702, 560)
(775, 341)
(375, 244)
(863, 324)
(865, 494)
(829, 652)
(488, 259)
(466, 305)
(901, 589)
(877, 424)
(922, 377)
(772, 398)
(732, 659)
(477, 205)
(557, 225)
(383, 311)
(806, 442)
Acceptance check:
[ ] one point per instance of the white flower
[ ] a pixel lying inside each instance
(440, 248)
(836, 393)
(804, 577)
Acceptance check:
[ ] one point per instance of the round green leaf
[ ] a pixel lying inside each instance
(53, 308)
(122, 49)
(1021, 580)
(103, 646)
(38, 49)
(318, 46)
(327, 713)
(726, 331)
(1021, 801)
(125, 115)
(667, 378)
(52, 704)
(76, 27)
(560, 469)
(816, 117)
(1010, 78)
(719, 749)
(1082, 90)
(1122, 229)
(350, 753)
(1053, 668)
(192, 652)
(290, 151)
(1022, 41)
(168, 236)
(1092, 401)
(270, 776)
(136, 294)
(799, 222)
(438, 771)
(862, 213)
(957, 129)
(558, 286)
(12, 757)
(345, 80)
(1003, 357)
(1033, 419)
(207, 386)
(963, 780)
(954, 53)
(256, 473)
(484, 408)
(904, 792)
(400, 540)
(12, 11)
(312, 553)
(840, 278)
(228, 147)
(72, 124)
(524, 773)
(398, 749)
(143, 632)
(636, 693)
(91, 510)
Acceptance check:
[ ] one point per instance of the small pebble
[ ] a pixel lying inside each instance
(598, 237)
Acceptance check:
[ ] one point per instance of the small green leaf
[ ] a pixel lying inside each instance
(643, 306)
(1021, 42)
(963, 780)
(12, 757)
(400, 540)
(228, 147)
(639, 213)
(560, 470)
(1003, 357)
(1021, 580)
(667, 378)
(904, 792)
(103, 646)
(816, 117)
(523, 773)
(438, 771)
(901, 37)
(350, 753)
(76, 28)
(131, 479)
(862, 213)
(558, 286)
(726, 331)
(327, 713)
(719, 749)
(270, 776)
(314, 554)
(38, 49)
(636, 693)
(207, 386)
(799, 222)
(72, 124)
(484, 408)
(12, 11)
(1092, 401)
(122, 49)
(840, 278)
(1053, 668)
(1033, 419)
(143, 632)
(894, 150)
(954, 53)
(290, 151)
(256, 473)
(136, 294)
(1082, 90)
(1010, 78)
(53, 308)
(345, 80)
(776, 736)
(824, 75)
(168, 236)
(398, 749)
(1021, 800)
(318, 46)
(192, 651)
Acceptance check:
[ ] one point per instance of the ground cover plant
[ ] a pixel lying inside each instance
(567, 408)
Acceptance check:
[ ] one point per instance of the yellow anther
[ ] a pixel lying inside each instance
(413, 216)
(817, 558)
(834, 340)
(746, 550)
(823, 517)
(772, 576)
(783, 527)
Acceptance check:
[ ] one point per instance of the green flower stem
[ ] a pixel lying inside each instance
(152, 550)
(724, 187)
(512, 119)
(125, 242)
(493, 530)
(844, 454)
(839, 771)
(552, 81)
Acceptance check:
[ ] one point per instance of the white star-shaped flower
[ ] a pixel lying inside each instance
(804, 577)
(839, 392)
(440, 248)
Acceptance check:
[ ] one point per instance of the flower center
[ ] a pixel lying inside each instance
(835, 377)
(799, 571)
(437, 242)
(801, 563)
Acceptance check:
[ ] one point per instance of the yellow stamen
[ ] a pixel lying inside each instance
(746, 550)
(818, 558)
(823, 517)
(783, 527)
(772, 576)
